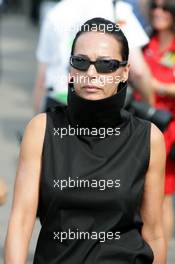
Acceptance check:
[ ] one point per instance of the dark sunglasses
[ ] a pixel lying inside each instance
(163, 7)
(101, 65)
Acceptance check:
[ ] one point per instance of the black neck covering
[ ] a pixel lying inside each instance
(96, 113)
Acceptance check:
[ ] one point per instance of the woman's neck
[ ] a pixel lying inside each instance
(165, 38)
(103, 113)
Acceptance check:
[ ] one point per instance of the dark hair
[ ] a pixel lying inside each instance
(96, 24)
(170, 6)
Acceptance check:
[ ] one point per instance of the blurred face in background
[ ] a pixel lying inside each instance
(161, 17)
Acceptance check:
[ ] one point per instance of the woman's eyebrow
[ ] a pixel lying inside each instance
(79, 54)
(99, 57)
(103, 57)
(82, 55)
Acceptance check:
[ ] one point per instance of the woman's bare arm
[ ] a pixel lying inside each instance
(25, 200)
(164, 89)
(39, 90)
(141, 76)
(151, 211)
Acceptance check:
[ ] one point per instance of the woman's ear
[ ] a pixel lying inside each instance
(70, 78)
(71, 82)
(126, 73)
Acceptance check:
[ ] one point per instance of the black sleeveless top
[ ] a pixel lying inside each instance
(91, 185)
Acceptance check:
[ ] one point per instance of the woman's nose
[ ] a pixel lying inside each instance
(92, 72)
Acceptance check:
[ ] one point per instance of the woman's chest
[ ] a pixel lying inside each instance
(104, 175)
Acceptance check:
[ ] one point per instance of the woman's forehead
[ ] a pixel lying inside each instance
(97, 43)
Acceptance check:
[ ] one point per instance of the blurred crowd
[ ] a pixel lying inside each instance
(149, 26)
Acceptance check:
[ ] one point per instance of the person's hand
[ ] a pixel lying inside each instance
(158, 87)
(3, 192)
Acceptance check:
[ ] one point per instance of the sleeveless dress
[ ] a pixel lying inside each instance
(97, 221)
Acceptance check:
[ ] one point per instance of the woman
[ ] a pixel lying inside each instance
(160, 56)
(97, 200)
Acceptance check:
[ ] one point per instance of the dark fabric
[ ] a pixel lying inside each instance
(96, 113)
(50, 103)
(124, 157)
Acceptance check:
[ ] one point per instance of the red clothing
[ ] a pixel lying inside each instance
(162, 66)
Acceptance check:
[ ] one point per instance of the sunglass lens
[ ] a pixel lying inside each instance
(80, 63)
(163, 7)
(106, 66)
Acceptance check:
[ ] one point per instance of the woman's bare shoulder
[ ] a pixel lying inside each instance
(34, 133)
(156, 135)
(158, 149)
(38, 121)
(37, 125)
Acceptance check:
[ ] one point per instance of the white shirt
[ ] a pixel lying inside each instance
(61, 25)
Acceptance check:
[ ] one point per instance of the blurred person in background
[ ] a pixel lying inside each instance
(160, 57)
(56, 38)
(40, 8)
(3, 186)
(3, 192)
(45, 7)
(34, 11)
(140, 9)
(53, 53)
